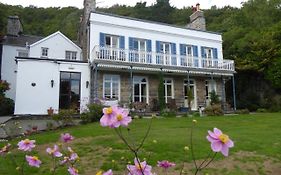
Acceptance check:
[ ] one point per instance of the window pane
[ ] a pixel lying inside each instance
(75, 76)
(75, 87)
(64, 86)
(107, 40)
(142, 45)
(65, 75)
(169, 90)
(136, 89)
(143, 89)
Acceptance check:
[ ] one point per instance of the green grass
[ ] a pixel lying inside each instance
(256, 133)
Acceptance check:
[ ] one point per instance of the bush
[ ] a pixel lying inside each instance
(214, 98)
(168, 113)
(213, 110)
(6, 106)
(242, 111)
(65, 117)
(93, 114)
(262, 110)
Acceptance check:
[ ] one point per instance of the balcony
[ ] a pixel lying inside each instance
(134, 57)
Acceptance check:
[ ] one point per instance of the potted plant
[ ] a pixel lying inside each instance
(50, 111)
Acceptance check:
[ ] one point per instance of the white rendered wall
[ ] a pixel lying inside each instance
(36, 100)
(9, 68)
(57, 45)
(146, 30)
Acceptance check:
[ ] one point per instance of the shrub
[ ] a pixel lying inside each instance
(242, 111)
(65, 117)
(262, 110)
(168, 113)
(214, 98)
(214, 110)
(6, 106)
(93, 114)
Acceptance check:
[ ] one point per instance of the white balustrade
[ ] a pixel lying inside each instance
(154, 58)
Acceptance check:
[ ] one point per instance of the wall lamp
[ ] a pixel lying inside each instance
(87, 84)
(52, 83)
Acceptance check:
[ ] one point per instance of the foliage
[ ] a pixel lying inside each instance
(6, 104)
(65, 117)
(214, 98)
(93, 113)
(213, 110)
(168, 113)
(190, 97)
(161, 92)
(262, 110)
(242, 111)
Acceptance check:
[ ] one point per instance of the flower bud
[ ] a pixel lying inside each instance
(194, 121)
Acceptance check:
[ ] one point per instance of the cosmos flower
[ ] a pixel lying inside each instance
(72, 171)
(121, 118)
(138, 169)
(165, 164)
(109, 114)
(66, 137)
(33, 161)
(109, 172)
(26, 145)
(54, 151)
(5, 149)
(219, 142)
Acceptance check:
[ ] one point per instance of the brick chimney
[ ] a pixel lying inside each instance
(14, 26)
(89, 6)
(197, 19)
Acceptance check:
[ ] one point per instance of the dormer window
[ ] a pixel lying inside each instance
(44, 52)
(70, 55)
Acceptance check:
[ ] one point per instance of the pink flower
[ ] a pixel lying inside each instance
(72, 171)
(121, 118)
(65, 160)
(109, 172)
(26, 145)
(54, 151)
(73, 157)
(138, 169)
(219, 142)
(33, 161)
(5, 149)
(66, 137)
(165, 164)
(109, 114)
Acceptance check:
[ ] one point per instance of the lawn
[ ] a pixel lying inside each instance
(257, 145)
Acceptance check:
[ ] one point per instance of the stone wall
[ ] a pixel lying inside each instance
(153, 81)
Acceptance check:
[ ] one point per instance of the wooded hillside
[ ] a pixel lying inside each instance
(251, 34)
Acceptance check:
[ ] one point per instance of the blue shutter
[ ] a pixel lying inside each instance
(195, 51)
(174, 52)
(157, 46)
(215, 53)
(202, 52)
(131, 43)
(102, 39)
(148, 49)
(158, 51)
(122, 42)
(148, 45)
(131, 47)
(182, 49)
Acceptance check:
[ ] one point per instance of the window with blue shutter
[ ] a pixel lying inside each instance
(182, 49)
(102, 39)
(131, 47)
(174, 52)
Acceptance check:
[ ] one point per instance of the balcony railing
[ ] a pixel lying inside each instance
(153, 58)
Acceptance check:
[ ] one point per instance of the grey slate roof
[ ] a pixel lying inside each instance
(20, 40)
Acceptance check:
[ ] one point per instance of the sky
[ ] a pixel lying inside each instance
(205, 4)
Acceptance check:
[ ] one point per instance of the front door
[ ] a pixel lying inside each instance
(70, 90)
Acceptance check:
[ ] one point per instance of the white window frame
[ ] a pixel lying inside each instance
(141, 54)
(186, 50)
(166, 84)
(111, 86)
(111, 41)
(208, 87)
(192, 82)
(43, 52)
(208, 53)
(72, 55)
(140, 92)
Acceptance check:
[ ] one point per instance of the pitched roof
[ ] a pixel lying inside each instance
(20, 40)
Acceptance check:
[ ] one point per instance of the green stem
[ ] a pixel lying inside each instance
(191, 147)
